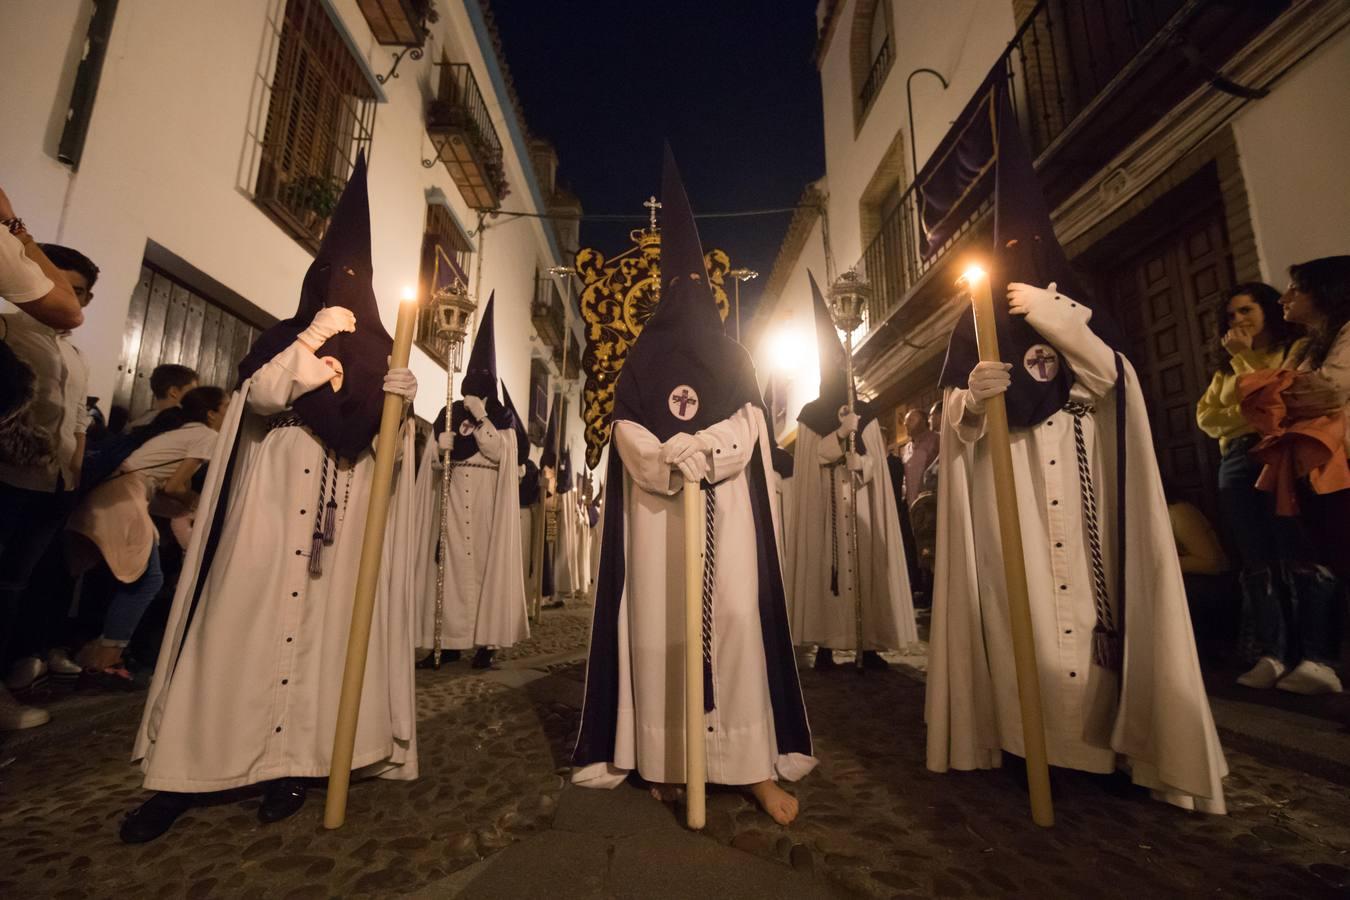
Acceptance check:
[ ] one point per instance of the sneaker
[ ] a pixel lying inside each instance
(60, 665)
(1263, 675)
(1311, 678)
(16, 717)
(26, 673)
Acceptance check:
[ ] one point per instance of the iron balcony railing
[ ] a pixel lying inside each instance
(1061, 58)
(875, 76)
(466, 141)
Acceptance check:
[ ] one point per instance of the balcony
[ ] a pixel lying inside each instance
(398, 23)
(464, 138)
(1087, 77)
(546, 313)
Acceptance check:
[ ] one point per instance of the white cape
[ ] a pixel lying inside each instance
(817, 615)
(1160, 726)
(249, 672)
(484, 579)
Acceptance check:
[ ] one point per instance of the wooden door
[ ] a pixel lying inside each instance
(1167, 298)
(168, 322)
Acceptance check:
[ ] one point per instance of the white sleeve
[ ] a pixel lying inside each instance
(640, 452)
(489, 441)
(21, 279)
(830, 449)
(203, 444)
(290, 374)
(730, 443)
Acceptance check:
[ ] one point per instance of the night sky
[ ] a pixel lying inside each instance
(731, 85)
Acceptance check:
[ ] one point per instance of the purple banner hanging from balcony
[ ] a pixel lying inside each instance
(959, 175)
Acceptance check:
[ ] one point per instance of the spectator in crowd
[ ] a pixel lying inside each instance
(168, 383)
(1253, 336)
(919, 453)
(29, 280)
(1206, 573)
(1305, 631)
(115, 519)
(36, 493)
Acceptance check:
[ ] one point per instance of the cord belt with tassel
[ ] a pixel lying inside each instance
(326, 509)
(1107, 647)
(709, 577)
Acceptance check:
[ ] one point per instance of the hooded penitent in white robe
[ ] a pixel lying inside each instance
(484, 603)
(1157, 723)
(823, 608)
(567, 572)
(648, 734)
(250, 670)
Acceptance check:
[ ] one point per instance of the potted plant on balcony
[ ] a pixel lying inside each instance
(312, 199)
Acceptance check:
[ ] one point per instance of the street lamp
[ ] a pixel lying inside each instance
(741, 275)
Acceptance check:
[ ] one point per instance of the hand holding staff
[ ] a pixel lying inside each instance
(367, 578)
(1014, 563)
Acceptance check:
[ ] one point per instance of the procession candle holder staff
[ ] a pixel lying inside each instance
(848, 297)
(976, 283)
(554, 525)
(454, 308)
(367, 578)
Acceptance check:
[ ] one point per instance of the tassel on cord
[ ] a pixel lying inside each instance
(834, 539)
(1107, 649)
(322, 528)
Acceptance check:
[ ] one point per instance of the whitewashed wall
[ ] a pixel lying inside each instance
(1293, 147)
(167, 158)
(959, 38)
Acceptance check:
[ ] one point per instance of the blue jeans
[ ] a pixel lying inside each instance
(130, 601)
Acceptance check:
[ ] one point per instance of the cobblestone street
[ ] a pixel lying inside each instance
(493, 750)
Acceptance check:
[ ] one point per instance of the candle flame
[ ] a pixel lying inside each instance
(409, 293)
(972, 274)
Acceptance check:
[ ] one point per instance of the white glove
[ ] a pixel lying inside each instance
(401, 382)
(987, 379)
(329, 321)
(694, 467)
(475, 407)
(854, 461)
(848, 422)
(443, 441)
(680, 447)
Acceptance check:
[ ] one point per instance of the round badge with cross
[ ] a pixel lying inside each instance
(683, 402)
(466, 427)
(1041, 362)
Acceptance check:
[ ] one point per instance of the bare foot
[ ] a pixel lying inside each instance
(778, 803)
(669, 794)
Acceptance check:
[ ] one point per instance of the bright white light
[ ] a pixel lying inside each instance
(972, 275)
(409, 293)
(789, 350)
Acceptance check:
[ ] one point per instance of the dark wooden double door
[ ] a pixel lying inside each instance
(168, 322)
(1168, 298)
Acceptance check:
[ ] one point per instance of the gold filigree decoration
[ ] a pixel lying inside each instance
(618, 296)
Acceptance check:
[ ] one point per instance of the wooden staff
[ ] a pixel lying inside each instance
(1014, 563)
(695, 752)
(367, 578)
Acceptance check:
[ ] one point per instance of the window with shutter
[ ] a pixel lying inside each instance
(320, 113)
(446, 252)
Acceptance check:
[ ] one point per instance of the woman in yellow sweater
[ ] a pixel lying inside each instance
(1254, 336)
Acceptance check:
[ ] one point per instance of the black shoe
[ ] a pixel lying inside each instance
(557, 603)
(825, 659)
(281, 800)
(154, 817)
(872, 661)
(429, 661)
(483, 658)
